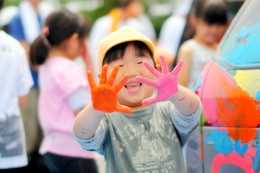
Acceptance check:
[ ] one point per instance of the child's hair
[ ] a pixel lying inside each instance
(58, 27)
(211, 11)
(124, 3)
(1, 4)
(113, 45)
(118, 51)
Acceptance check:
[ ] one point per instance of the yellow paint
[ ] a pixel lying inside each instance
(249, 81)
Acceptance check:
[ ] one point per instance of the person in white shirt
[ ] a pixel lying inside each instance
(15, 83)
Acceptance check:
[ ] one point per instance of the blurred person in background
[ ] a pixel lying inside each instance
(205, 26)
(64, 90)
(25, 27)
(127, 12)
(209, 18)
(171, 34)
(15, 83)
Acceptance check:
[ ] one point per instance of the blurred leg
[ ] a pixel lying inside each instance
(63, 164)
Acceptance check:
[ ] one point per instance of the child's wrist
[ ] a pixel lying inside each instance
(96, 112)
(177, 95)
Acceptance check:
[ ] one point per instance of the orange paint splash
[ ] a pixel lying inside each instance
(225, 103)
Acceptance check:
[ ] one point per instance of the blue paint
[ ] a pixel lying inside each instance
(198, 83)
(224, 144)
(241, 48)
(257, 157)
(221, 141)
(257, 97)
(240, 148)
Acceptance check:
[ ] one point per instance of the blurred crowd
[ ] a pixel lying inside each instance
(192, 34)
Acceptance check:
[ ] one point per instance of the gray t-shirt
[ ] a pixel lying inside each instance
(145, 141)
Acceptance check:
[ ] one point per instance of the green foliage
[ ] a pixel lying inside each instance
(99, 12)
(158, 22)
(11, 2)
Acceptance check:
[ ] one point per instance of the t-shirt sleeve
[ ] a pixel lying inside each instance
(24, 77)
(70, 78)
(185, 124)
(97, 141)
(79, 98)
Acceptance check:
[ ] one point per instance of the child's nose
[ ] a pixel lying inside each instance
(132, 70)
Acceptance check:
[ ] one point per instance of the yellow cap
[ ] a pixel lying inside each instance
(124, 34)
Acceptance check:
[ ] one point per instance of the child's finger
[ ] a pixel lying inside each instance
(149, 101)
(148, 82)
(177, 69)
(151, 69)
(91, 80)
(165, 69)
(158, 67)
(112, 76)
(123, 109)
(121, 82)
(103, 76)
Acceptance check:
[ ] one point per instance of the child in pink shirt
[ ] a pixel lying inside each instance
(64, 91)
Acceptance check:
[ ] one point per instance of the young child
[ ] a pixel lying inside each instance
(64, 90)
(139, 118)
(209, 18)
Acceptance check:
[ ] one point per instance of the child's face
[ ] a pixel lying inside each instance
(135, 9)
(133, 92)
(210, 34)
(75, 46)
(82, 45)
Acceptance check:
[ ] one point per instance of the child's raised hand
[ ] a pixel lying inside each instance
(104, 95)
(166, 83)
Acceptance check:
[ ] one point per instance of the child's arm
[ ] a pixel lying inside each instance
(185, 54)
(167, 87)
(22, 101)
(87, 121)
(87, 59)
(185, 100)
(103, 100)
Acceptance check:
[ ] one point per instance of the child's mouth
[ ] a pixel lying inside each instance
(133, 87)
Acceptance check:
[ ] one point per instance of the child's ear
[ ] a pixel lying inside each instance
(158, 67)
(193, 20)
(71, 40)
(74, 36)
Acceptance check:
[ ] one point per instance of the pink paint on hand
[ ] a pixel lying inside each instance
(166, 82)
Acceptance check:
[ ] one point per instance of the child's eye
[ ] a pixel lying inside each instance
(121, 65)
(140, 62)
